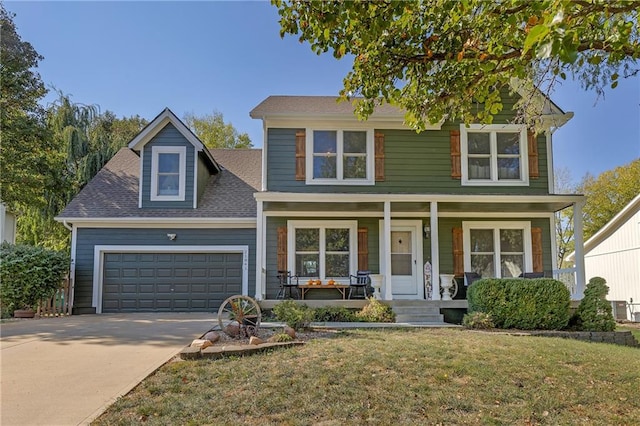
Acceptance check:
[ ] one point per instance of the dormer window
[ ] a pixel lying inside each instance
(168, 173)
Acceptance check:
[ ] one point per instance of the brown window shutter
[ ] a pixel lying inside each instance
(300, 154)
(379, 156)
(532, 148)
(363, 249)
(454, 137)
(458, 258)
(282, 248)
(536, 249)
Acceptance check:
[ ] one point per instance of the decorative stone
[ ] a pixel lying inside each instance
(290, 331)
(255, 340)
(211, 336)
(201, 343)
(232, 330)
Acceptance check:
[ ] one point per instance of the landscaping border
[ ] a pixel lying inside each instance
(624, 338)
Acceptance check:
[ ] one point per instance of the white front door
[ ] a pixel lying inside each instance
(405, 243)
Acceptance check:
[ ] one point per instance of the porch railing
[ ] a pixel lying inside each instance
(60, 304)
(568, 277)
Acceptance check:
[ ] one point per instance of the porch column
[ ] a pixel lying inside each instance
(386, 238)
(578, 235)
(435, 252)
(260, 282)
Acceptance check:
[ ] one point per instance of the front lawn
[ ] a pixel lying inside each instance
(385, 377)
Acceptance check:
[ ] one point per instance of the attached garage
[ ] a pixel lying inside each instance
(169, 279)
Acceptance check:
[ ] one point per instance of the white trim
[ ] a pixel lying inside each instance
(385, 261)
(435, 251)
(351, 225)
(467, 198)
(339, 154)
(293, 122)
(495, 225)
(401, 214)
(182, 172)
(550, 170)
(157, 222)
(100, 250)
(141, 181)
(554, 243)
(578, 238)
(72, 266)
(260, 249)
(492, 130)
(159, 123)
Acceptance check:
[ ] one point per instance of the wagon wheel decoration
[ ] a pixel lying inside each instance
(239, 316)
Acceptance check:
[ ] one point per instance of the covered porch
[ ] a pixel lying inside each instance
(410, 235)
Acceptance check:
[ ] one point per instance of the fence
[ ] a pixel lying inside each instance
(60, 304)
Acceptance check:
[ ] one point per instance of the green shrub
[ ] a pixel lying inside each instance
(334, 314)
(29, 274)
(376, 311)
(594, 311)
(478, 320)
(295, 315)
(527, 304)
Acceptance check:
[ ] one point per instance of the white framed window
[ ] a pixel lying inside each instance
(168, 173)
(323, 250)
(339, 156)
(497, 249)
(494, 154)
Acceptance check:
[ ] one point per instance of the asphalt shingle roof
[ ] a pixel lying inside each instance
(113, 192)
(317, 106)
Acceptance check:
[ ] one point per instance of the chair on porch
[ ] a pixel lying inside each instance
(531, 275)
(359, 281)
(288, 283)
(471, 277)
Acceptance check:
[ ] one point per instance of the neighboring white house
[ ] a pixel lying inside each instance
(7, 225)
(613, 253)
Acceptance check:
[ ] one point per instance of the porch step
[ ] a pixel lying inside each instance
(416, 311)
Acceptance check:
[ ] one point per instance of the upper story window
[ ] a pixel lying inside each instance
(494, 154)
(340, 157)
(168, 173)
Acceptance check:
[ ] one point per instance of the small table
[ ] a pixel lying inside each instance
(342, 288)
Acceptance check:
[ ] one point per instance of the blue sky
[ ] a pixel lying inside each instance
(139, 57)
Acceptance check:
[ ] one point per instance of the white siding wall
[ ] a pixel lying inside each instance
(617, 260)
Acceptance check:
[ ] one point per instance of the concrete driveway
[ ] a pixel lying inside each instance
(66, 371)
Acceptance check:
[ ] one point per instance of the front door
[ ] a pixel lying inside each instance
(404, 264)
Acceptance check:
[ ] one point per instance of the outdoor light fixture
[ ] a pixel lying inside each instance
(172, 236)
(426, 231)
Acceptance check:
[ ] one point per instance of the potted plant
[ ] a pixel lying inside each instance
(28, 275)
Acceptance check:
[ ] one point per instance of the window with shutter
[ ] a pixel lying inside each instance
(458, 258)
(282, 248)
(379, 158)
(454, 137)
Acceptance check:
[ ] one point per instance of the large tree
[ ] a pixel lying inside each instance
(215, 133)
(608, 194)
(24, 146)
(456, 59)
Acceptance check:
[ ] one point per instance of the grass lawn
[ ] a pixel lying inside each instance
(387, 377)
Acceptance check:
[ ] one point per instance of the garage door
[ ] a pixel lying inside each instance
(169, 282)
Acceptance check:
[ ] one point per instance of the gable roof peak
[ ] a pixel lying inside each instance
(158, 123)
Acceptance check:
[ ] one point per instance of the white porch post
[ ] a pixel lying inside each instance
(260, 282)
(387, 251)
(435, 252)
(578, 235)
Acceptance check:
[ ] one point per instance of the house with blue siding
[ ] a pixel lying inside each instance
(169, 225)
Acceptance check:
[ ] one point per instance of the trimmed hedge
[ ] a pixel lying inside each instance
(594, 312)
(526, 304)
